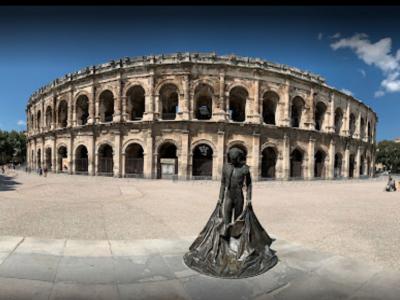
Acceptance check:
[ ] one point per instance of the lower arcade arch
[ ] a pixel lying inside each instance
(62, 155)
(134, 160)
(202, 162)
(48, 162)
(296, 164)
(268, 162)
(319, 164)
(337, 169)
(352, 165)
(81, 160)
(167, 165)
(105, 160)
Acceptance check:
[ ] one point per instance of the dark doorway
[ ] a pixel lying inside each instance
(268, 163)
(296, 164)
(202, 162)
(167, 161)
(319, 164)
(134, 160)
(106, 162)
(81, 160)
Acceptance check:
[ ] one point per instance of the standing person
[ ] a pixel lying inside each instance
(45, 170)
(40, 171)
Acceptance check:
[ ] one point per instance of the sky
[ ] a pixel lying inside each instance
(356, 49)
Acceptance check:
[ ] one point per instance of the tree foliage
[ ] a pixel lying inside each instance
(388, 153)
(12, 147)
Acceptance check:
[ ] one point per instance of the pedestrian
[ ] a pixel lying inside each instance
(45, 170)
(40, 171)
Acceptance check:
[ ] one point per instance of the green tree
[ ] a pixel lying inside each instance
(12, 147)
(388, 153)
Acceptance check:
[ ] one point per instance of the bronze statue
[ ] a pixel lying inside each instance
(238, 248)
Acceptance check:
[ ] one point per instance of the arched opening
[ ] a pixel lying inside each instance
(241, 147)
(319, 115)
(82, 110)
(49, 117)
(338, 120)
(105, 160)
(203, 101)
(368, 166)
(81, 160)
(362, 128)
(237, 104)
(39, 158)
(106, 106)
(369, 132)
(351, 165)
(362, 165)
(296, 164)
(63, 114)
(38, 120)
(319, 164)
(202, 161)
(167, 161)
(62, 159)
(169, 98)
(270, 102)
(135, 103)
(338, 165)
(297, 111)
(352, 124)
(48, 159)
(134, 160)
(268, 163)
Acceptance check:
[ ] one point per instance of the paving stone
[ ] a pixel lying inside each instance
(172, 246)
(23, 289)
(134, 270)
(313, 287)
(87, 270)
(87, 248)
(205, 287)
(347, 271)
(41, 246)
(30, 266)
(70, 291)
(3, 256)
(162, 290)
(133, 248)
(8, 243)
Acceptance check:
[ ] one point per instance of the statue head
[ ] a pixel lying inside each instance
(236, 156)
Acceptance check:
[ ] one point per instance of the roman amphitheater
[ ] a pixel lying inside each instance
(178, 115)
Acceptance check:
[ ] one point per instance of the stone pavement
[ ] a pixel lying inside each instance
(37, 268)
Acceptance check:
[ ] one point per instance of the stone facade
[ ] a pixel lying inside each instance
(180, 114)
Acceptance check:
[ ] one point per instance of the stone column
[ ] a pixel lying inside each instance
(117, 103)
(357, 133)
(221, 155)
(255, 116)
(70, 110)
(184, 156)
(148, 157)
(54, 111)
(92, 101)
(285, 170)
(255, 164)
(149, 100)
(184, 103)
(346, 162)
(124, 113)
(92, 157)
(331, 163)
(54, 166)
(310, 104)
(117, 153)
(346, 121)
(283, 106)
(311, 161)
(42, 120)
(357, 163)
(70, 154)
(331, 126)
(221, 113)
(96, 163)
(96, 111)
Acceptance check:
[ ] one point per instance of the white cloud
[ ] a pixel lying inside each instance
(21, 123)
(320, 35)
(347, 92)
(377, 54)
(363, 73)
(336, 35)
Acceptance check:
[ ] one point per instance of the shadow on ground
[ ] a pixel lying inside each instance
(7, 183)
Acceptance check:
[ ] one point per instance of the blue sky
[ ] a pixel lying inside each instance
(353, 48)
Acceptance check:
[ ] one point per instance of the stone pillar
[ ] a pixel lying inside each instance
(92, 101)
(92, 157)
(331, 163)
(96, 163)
(283, 107)
(118, 103)
(331, 126)
(54, 155)
(357, 163)
(96, 111)
(184, 156)
(346, 162)
(148, 170)
(254, 114)
(184, 103)
(124, 113)
(310, 104)
(149, 100)
(311, 160)
(221, 113)
(221, 155)
(346, 121)
(255, 164)
(54, 111)
(285, 158)
(357, 133)
(70, 110)
(70, 154)
(42, 119)
(117, 154)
